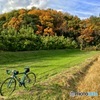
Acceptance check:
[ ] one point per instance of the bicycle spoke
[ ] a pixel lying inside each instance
(30, 80)
(8, 86)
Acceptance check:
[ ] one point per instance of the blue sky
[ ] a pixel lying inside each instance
(81, 8)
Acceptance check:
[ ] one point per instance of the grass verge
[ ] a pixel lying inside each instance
(45, 64)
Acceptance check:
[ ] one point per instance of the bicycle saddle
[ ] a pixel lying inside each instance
(27, 70)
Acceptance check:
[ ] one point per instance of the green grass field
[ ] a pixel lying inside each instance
(44, 63)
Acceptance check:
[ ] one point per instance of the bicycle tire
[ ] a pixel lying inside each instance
(8, 86)
(30, 80)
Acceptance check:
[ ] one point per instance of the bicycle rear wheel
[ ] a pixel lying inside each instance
(30, 80)
(8, 86)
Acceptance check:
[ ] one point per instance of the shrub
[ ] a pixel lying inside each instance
(25, 39)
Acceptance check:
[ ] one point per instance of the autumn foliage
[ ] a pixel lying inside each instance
(50, 22)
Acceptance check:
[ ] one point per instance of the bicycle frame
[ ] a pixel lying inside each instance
(9, 84)
(26, 78)
(14, 75)
(22, 80)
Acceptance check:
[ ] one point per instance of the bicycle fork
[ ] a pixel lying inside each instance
(10, 83)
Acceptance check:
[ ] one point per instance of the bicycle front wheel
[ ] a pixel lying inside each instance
(8, 86)
(30, 80)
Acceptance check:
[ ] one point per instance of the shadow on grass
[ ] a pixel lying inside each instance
(53, 89)
(42, 92)
(35, 56)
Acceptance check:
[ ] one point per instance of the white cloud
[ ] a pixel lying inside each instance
(81, 8)
(38, 3)
(60, 10)
(8, 5)
(84, 12)
(90, 3)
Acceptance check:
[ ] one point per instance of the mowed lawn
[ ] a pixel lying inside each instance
(44, 63)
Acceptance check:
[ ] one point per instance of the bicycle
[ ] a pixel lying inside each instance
(9, 85)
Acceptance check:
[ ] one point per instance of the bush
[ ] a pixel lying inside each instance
(25, 39)
(53, 42)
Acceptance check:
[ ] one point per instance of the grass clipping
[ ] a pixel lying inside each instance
(90, 83)
(72, 79)
(67, 77)
(58, 87)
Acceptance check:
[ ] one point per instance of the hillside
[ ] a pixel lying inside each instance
(21, 29)
(57, 71)
(59, 86)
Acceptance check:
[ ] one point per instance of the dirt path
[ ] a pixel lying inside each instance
(90, 83)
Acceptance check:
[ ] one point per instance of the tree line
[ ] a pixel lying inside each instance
(37, 29)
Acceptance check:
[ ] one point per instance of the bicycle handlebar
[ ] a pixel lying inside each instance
(15, 72)
(12, 71)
